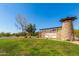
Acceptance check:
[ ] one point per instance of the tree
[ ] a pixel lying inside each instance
(7, 34)
(26, 28)
(76, 32)
(21, 22)
(2, 34)
(31, 29)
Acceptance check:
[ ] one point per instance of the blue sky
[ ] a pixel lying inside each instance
(43, 15)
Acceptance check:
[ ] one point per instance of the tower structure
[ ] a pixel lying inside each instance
(67, 32)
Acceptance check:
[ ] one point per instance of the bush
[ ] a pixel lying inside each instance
(76, 32)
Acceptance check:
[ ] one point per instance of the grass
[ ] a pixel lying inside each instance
(37, 47)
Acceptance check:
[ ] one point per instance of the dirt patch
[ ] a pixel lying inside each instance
(76, 42)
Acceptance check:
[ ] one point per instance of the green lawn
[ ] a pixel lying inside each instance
(37, 47)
